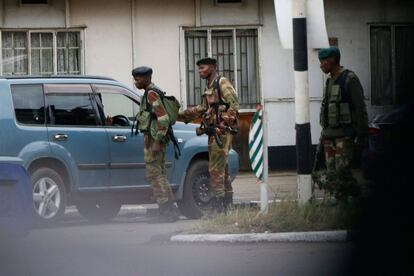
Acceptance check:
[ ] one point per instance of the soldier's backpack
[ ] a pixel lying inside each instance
(172, 107)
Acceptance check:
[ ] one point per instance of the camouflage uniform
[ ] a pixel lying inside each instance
(338, 134)
(155, 162)
(218, 156)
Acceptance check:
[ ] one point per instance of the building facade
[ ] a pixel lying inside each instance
(109, 38)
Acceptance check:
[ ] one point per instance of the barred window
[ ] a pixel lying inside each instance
(236, 51)
(40, 53)
(391, 57)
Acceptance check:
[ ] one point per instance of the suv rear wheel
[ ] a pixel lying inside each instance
(98, 211)
(49, 195)
(198, 194)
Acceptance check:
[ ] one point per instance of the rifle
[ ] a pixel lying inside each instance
(319, 163)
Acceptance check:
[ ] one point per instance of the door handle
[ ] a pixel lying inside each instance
(60, 137)
(119, 138)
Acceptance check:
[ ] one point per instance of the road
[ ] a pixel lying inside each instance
(130, 245)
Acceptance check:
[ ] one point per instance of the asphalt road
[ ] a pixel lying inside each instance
(129, 245)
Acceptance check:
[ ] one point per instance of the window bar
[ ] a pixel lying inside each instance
(256, 62)
(194, 75)
(241, 72)
(29, 53)
(393, 66)
(235, 64)
(1, 55)
(210, 54)
(54, 53)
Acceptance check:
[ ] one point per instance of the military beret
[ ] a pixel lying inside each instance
(329, 52)
(142, 71)
(207, 61)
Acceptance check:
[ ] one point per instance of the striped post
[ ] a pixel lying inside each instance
(256, 145)
(258, 155)
(303, 133)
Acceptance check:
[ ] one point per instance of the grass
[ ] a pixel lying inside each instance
(282, 217)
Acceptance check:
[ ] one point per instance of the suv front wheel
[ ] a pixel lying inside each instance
(198, 194)
(49, 195)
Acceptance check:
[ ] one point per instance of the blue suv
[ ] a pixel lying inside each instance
(73, 135)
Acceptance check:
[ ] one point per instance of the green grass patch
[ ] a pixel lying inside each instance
(282, 217)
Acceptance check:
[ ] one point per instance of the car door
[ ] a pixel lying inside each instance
(76, 133)
(119, 106)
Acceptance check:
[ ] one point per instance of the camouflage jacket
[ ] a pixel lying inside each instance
(229, 111)
(358, 125)
(160, 122)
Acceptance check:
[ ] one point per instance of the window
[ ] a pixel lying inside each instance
(41, 52)
(33, 2)
(236, 51)
(28, 104)
(391, 55)
(228, 1)
(115, 103)
(71, 105)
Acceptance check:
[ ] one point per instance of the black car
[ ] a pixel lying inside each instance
(386, 131)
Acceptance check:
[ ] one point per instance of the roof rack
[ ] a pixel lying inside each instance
(58, 77)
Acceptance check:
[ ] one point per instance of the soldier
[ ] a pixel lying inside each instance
(154, 122)
(344, 122)
(219, 112)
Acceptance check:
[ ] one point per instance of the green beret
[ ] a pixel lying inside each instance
(329, 52)
(142, 71)
(207, 61)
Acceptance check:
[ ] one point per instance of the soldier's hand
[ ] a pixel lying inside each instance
(156, 146)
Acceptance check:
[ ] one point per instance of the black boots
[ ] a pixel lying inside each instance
(168, 212)
(219, 205)
(228, 201)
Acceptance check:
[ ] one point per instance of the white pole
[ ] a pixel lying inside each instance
(303, 134)
(264, 198)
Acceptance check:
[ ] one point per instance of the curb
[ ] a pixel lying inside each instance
(318, 236)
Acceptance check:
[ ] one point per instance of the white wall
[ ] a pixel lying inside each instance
(33, 16)
(108, 43)
(277, 81)
(157, 39)
(229, 14)
(348, 21)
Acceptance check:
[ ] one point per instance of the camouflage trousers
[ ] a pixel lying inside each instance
(218, 165)
(337, 179)
(156, 173)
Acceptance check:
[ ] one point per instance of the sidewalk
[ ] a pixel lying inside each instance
(281, 185)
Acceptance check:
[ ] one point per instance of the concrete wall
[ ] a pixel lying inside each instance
(108, 37)
(246, 13)
(157, 38)
(32, 16)
(109, 40)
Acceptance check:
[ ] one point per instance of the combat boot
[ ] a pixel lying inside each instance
(168, 212)
(219, 205)
(228, 201)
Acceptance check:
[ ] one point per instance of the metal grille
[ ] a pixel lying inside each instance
(247, 68)
(196, 48)
(391, 55)
(222, 48)
(222, 51)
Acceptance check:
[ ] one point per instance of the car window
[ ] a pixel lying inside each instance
(115, 103)
(75, 110)
(28, 103)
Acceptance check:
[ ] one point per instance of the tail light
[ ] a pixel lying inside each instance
(373, 129)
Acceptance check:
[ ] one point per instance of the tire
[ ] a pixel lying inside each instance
(197, 194)
(98, 211)
(49, 195)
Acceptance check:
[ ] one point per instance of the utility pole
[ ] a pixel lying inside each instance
(302, 123)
